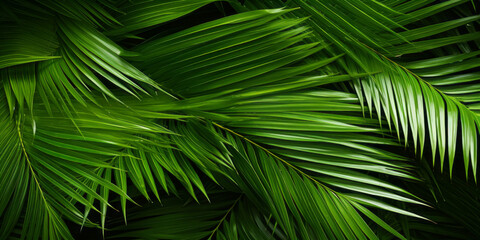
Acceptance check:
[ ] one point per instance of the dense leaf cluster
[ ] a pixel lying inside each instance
(206, 119)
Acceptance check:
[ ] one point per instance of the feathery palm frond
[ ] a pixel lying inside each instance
(376, 37)
(245, 126)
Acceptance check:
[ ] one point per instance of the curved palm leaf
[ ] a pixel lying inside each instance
(266, 104)
(374, 36)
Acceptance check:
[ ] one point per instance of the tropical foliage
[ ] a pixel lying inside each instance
(256, 119)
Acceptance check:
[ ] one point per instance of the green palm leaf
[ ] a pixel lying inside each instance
(300, 119)
(427, 105)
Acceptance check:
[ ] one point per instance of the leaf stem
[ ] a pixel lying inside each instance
(400, 66)
(275, 156)
(30, 166)
(225, 216)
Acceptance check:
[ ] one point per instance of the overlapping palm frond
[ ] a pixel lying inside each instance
(247, 126)
(139, 15)
(27, 35)
(388, 38)
(282, 190)
(62, 158)
(262, 116)
(227, 216)
(170, 219)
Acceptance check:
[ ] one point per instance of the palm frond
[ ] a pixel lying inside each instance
(139, 15)
(249, 123)
(281, 188)
(174, 216)
(26, 39)
(382, 45)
